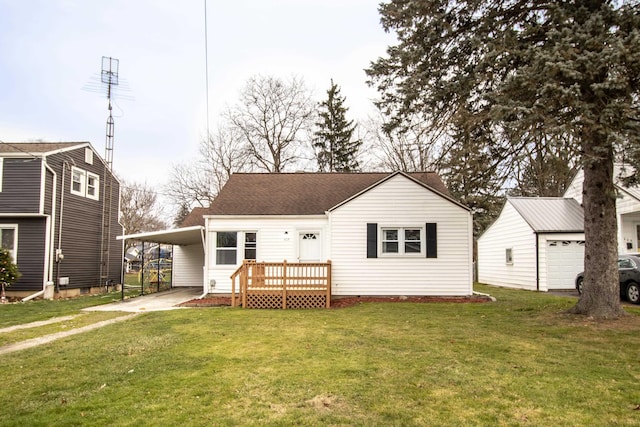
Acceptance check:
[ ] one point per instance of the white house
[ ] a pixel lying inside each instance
(385, 234)
(535, 244)
(627, 208)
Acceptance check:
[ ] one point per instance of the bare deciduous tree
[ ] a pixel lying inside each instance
(275, 118)
(139, 211)
(415, 147)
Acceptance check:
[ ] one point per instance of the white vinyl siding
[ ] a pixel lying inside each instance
(403, 202)
(509, 231)
(276, 241)
(188, 264)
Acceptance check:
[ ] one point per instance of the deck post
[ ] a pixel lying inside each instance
(243, 283)
(284, 284)
(233, 290)
(328, 270)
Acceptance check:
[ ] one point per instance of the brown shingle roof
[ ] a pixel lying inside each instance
(195, 217)
(299, 193)
(35, 147)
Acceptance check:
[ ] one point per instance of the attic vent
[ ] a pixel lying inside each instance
(88, 156)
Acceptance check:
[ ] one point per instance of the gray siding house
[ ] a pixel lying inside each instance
(52, 205)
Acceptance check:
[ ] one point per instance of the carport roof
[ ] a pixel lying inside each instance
(177, 236)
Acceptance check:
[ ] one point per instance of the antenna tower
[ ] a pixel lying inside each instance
(109, 78)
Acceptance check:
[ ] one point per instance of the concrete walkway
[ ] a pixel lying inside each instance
(165, 300)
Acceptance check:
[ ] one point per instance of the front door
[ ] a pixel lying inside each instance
(309, 246)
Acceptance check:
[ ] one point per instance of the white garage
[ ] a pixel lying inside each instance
(537, 243)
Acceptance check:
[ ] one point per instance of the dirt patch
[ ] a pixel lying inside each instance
(207, 302)
(326, 402)
(351, 301)
(342, 302)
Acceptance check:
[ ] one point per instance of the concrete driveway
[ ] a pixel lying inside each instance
(165, 300)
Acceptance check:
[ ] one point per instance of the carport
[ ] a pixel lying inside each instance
(189, 253)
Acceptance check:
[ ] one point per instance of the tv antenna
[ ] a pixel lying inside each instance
(109, 77)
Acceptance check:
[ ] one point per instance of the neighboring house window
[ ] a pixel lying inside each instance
(93, 186)
(85, 184)
(509, 256)
(250, 246)
(226, 247)
(9, 239)
(1, 172)
(78, 177)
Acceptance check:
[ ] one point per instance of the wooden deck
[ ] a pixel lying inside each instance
(282, 285)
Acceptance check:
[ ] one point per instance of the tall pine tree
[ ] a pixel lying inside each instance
(334, 147)
(568, 68)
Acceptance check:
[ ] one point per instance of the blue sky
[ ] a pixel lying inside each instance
(50, 50)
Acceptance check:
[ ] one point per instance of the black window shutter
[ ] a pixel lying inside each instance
(372, 240)
(432, 240)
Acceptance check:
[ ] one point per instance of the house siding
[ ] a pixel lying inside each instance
(21, 185)
(188, 264)
(510, 230)
(82, 225)
(31, 252)
(401, 202)
(277, 241)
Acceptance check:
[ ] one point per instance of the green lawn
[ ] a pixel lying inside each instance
(519, 361)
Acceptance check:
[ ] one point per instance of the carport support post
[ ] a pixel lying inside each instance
(124, 244)
(142, 271)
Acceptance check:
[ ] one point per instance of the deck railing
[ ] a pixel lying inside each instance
(282, 285)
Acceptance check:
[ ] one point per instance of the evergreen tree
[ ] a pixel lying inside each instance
(335, 150)
(8, 272)
(567, 68)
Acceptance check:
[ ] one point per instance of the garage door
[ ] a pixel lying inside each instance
(565, 259)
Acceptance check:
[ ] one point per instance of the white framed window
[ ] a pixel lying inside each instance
(85, 184)
(93, 186)
(250, 245)
(78, 181)
(408, 241)
(1, 172)
(226, 247)
(509, 256)
(88, 155)
(9, 239)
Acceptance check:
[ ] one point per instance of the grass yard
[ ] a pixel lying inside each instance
(520, 361)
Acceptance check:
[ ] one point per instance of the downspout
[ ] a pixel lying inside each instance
(205, 267)
(52, 219)
(59, 255)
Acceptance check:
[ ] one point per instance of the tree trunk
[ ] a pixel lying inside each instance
(601, 295)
